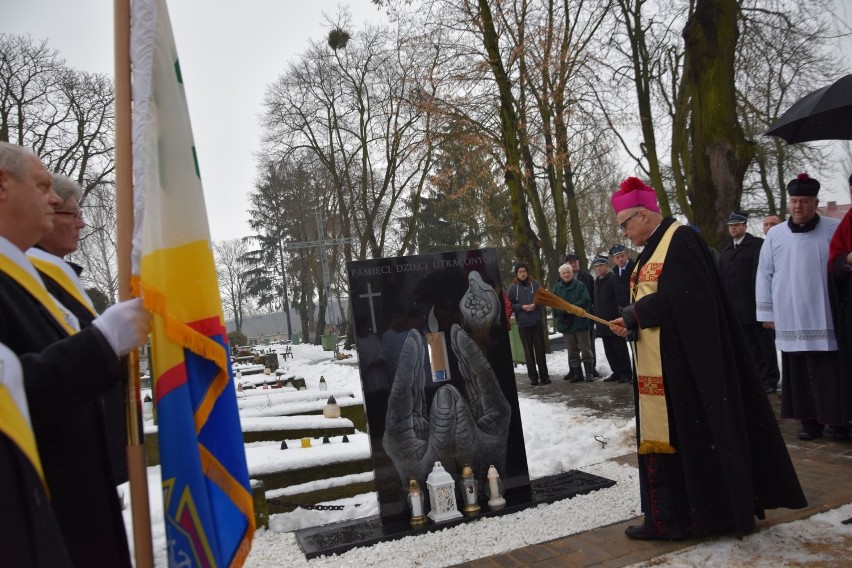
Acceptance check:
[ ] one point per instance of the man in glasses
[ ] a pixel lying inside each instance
(701, 412)
(61, 278)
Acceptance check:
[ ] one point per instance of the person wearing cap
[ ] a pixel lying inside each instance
(589, 282)
(622, 270)
(530, 326)
(770, 221)
(606, 307)
(738, 266)
(710, 452)
(792, 294)
(574, 329)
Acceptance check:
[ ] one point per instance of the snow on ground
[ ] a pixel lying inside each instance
(558, 438)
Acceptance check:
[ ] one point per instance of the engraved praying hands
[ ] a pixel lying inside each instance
(454, 431)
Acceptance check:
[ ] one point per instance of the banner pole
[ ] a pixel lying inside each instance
(136, 464)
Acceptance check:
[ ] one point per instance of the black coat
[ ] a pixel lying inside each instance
(63, 376)
(589, 281)
(109, 409)
(734, 460)
(739, 269)
(624, 283)
(606, 306)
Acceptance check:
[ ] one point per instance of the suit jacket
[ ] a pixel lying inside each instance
(63, 376)
(738, 267)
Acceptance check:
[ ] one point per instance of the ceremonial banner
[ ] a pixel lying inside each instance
(206, 494)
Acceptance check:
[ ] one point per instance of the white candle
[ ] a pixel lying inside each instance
(416, 507)
(492, 486)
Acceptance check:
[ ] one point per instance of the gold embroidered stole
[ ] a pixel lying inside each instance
(37, 290)
(653, 414)
(61, 277)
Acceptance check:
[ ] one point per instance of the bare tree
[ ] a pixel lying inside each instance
(233, 287)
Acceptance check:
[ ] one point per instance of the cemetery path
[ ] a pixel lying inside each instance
(819, 464)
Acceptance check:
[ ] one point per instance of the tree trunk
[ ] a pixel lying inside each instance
(720, 152)
(525, 250)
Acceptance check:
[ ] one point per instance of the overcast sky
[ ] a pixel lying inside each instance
(229, 52)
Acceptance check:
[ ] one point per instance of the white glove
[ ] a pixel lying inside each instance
(125, 326)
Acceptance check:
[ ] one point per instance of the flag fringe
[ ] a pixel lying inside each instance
(654, 447)
(156, 302)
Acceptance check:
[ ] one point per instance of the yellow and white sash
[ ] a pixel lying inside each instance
(18, 267)
(14, 414)
(653, 433)
(63, 274)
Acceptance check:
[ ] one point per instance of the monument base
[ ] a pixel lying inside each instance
(337, 538)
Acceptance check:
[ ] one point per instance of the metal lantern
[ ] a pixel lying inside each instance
(322, 384)
(331, 409)
(442, 495)
(415, 503)
(495, 489)
(469, 488)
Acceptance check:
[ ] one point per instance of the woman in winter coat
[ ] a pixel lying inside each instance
(574, 329)
(530, 327)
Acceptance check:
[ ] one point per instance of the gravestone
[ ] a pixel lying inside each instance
(437, 373)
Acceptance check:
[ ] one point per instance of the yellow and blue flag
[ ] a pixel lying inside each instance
(206, 494)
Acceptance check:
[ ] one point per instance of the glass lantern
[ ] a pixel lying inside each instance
(331, 409)
(469, 488)
(442, 495)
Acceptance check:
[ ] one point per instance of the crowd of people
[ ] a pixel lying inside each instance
(704, 329)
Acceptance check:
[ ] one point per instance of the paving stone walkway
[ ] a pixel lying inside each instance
(824, 468)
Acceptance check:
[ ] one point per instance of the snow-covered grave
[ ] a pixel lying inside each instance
(325, 458)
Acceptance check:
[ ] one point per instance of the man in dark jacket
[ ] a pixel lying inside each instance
(622, 270)
(530, 326)
(606, 307)
(700, 406)
(738, 265)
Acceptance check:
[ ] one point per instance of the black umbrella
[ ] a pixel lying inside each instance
(825, 114)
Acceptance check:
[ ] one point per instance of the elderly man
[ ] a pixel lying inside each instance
(770, 221)
(700, 407)
(606, 291)
(589, 282)
(738, 266)
(793, 299)
(61, 278)
(574, 329)
(65, 366)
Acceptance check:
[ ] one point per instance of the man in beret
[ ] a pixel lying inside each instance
(738, 265)
(793, 299)
(606, 292)
(711, 456)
